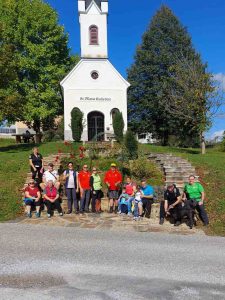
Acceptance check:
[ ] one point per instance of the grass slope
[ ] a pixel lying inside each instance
(14, 166)
(211, 169)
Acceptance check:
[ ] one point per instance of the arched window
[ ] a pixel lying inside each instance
(93, 32)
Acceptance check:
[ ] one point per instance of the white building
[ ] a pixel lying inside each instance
(94, 85)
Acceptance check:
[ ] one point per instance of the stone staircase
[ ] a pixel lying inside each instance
(176, 169)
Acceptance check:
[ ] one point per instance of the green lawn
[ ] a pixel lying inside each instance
(211, 168)
(13, 169)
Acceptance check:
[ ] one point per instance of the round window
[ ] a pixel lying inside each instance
(94, 74)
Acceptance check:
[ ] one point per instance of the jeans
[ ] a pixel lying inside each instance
(202, 213)
(85, 200)
(147, 206)
(128, 203)
(51, 206)
(72, 199)
(136, 210)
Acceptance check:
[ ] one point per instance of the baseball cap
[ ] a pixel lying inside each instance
(113, 165)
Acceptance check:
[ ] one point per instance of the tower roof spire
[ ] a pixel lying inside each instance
(98, 2)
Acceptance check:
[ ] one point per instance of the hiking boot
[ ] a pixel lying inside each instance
(29, 215)
(37, 214)
(69, 212)
(116, 209)
(161, 221)
(111, 209)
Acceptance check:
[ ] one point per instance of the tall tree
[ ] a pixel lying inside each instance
(77, 123)
(118, 126)
(163, 45)
(40, 59)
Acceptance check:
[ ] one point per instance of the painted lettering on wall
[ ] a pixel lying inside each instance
(95, 99)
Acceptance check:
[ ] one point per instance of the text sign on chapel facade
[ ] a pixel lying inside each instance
(95, 99)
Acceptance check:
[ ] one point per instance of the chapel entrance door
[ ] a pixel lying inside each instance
(96, 126)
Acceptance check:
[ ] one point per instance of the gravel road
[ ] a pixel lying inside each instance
(41, 262)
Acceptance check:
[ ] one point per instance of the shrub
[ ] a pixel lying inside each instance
(118, 126)
(143, 168)
(223, 143)
(76, 124)
(131, 145)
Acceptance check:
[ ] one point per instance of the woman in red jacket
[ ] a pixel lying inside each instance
(51, 199)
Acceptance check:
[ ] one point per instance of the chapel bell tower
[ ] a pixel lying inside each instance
(93, 28)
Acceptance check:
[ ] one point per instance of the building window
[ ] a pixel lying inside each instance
(94, 74)
(93, 32)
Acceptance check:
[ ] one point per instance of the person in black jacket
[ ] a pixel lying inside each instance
(36, 164)
(171, 205)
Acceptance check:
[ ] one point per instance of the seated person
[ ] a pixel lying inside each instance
(52, 175)
(123, 202)
(130, 190)
(51, 199)
(172, 205)
(32, 198)
(138, 205)
(147, 198)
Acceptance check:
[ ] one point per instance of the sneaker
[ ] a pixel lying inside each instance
(87, 211)
(61, 214)
(135, 218)
(69, 212)
(29, 215)
(49, 216)
(77, 212)
(37, 214)
(119, 212)
(130, 214)
(161, 221)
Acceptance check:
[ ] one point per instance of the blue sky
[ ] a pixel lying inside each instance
(128, 20)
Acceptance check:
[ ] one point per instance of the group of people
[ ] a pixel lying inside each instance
(84, 188)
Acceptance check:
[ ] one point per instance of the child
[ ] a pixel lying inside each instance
(123, 201)
(138, 203)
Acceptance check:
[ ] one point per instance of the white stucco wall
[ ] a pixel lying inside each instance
(107, 92)
(93, 17)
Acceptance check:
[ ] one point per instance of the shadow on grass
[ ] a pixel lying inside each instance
(17, 148)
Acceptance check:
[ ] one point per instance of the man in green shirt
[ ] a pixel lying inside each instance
(194, 190)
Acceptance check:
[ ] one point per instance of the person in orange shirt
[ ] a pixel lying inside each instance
(85, 189)
(113, 179)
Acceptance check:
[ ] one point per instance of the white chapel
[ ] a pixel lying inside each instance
(94, 85)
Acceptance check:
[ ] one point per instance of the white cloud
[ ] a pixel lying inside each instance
(220, 77)
(217, 134)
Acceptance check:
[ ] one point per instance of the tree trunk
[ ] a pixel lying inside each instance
(203, 148)
(37, 129)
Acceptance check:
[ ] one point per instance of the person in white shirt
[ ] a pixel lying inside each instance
(70, 176)
(52, 175)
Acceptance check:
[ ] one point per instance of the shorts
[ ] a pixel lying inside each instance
(138, 201)
(113, 195)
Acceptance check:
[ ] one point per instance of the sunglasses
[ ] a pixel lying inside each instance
(31, 182)
(85, 167)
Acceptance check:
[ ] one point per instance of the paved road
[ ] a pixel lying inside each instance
(40, 262)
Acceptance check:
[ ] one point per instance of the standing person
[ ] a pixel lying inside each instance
(171, 205)
(96, 188)
(32, 198)
(71, 186)
(147, 198)
(85, 189)
(194, 190)
(51, 199)
(138, 205)
(36, 164)
(52, 175)
(113, 179)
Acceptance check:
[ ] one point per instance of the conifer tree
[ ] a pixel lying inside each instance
(131, 144)
(76, 124)
(118, 126)
(165, 43)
